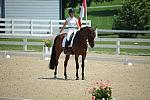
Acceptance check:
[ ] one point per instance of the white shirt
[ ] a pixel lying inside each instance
(72, 22)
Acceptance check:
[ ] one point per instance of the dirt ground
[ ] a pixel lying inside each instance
(30, 78)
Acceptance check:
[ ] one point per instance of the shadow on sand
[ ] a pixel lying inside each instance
(46, 78)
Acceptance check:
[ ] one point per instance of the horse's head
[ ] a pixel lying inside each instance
(91, 36)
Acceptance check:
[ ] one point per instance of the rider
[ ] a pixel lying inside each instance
(72, 24)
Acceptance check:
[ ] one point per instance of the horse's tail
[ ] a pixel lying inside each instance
(53, 61)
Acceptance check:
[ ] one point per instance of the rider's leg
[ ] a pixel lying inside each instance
(68, 34)
(66, 45)
(67, 40)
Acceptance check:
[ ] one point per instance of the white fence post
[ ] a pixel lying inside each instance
(12, 26)
(96, 33)
(25, 44)
(117, 47)
(90, 23)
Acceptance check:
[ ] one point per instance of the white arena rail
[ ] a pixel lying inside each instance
(45, 29)
(30, 29)
(32, 26)
(118, 41)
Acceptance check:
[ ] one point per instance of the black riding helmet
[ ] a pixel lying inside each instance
(71, 10)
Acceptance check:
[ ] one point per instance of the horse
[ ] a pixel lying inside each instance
(79, 47)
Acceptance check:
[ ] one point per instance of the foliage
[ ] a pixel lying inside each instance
(47, 43)
(103, 90)
(74, 3)
(134, 15)
(70, 3)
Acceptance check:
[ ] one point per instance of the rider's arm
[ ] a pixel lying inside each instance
(63, 26)
(78, 25)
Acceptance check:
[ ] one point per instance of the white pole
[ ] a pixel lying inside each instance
(96, 33)
(86, 12)
(25, 44)
(118, 47)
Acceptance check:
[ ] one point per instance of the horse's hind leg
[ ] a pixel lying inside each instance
(65, 65)
(55, 73)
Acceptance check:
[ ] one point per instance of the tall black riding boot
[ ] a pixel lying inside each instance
(66, 46)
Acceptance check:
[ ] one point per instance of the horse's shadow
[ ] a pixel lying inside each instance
(46, 78)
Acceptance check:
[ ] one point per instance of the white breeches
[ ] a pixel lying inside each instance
(70, 31)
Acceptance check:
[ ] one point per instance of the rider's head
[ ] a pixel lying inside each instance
(71, 12)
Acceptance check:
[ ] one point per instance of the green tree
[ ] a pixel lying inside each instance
(71, 3)
(134, 15)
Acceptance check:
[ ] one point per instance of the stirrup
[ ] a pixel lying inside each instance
(65, 51)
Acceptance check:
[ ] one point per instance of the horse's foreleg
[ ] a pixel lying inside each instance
(77, 66)
(83, 58)
(65, 65)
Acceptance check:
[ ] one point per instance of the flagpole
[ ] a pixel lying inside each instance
(86, 12)
(83, 13)
(86, 17)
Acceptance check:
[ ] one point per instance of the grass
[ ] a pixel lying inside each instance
(11, 47)
(135, 51)
(102, 50)
(123, 51)
(11, 39)
(35, 48)
(113, 35)
(102, 18)
(114, 2)
(20, 47)
(125, 43)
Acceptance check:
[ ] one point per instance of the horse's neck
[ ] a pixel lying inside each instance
(81, 40)
(82, 35)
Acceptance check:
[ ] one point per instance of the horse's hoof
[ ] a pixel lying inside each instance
(66, 78)
(82, 78)
(77, 78)
(55, 77)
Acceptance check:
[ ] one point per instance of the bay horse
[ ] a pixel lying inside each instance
(79, 47)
